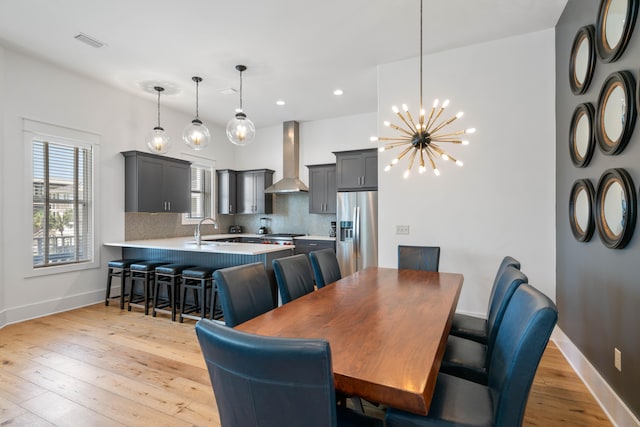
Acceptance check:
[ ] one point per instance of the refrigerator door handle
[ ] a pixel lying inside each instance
(356, 231)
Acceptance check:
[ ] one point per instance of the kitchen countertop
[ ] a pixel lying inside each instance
(188, 244)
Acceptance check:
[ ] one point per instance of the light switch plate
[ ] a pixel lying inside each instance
(402, 229)
(617, 359)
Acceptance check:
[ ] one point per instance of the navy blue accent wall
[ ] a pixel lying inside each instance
(598, 289)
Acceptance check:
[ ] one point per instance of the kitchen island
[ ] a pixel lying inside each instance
(214, 252)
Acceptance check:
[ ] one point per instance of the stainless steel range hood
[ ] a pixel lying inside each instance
(290, 183)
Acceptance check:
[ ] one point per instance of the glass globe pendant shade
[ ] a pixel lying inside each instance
(158, 141)
(196, 135)
(240, 130)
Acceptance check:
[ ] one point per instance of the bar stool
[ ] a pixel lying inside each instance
(169, 275)
(118, 268)
(144, 273)
(198, 279)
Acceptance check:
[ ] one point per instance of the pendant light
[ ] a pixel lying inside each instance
(158, 140)
(195, 134)
(240, 130)
(423, 138)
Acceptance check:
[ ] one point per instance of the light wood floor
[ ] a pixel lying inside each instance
(99, 366)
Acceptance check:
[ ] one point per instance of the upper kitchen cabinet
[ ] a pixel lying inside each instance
(227, 191)
(250, 195)
(357, 170)
(322, 188)
(156, 183)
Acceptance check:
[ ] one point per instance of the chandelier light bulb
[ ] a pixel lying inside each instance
(387, 168)
(422, 170)
(465, 142)
(436, 172)
(459, 163)
(435, 103)
(445, 157)
(387, 124)
(470, 130)
(445, 104)
(406, 174)
(394, 161)
(381, 149)
(460, 114)
(373, 138)
(394, 109)
(405, 107)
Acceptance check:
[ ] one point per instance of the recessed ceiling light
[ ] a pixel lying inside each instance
(280, 102)
(88, 40)
(338, 92)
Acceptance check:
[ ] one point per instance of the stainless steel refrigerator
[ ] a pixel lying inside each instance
(357, 237)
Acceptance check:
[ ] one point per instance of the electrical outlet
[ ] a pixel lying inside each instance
(402, 229)
(617, 359)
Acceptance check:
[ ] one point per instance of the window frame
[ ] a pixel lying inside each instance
(36, 130)
(206, 163)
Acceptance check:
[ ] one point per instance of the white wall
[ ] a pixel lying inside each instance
(318, 140)
(40, 91)
(2, 159)
(502, 201)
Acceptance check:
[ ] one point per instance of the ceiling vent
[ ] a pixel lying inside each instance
(88, 40)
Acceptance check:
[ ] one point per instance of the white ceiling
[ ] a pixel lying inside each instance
(295, 50)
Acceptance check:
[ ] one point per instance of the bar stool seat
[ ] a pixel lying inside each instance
(200, 280)
(143, 273)
(118, 268)
(169, 275)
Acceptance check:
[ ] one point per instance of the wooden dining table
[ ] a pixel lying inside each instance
(387, 329)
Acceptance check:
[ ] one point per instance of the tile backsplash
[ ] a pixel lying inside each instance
(290, 215)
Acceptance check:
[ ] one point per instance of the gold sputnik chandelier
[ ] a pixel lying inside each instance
(422, 139)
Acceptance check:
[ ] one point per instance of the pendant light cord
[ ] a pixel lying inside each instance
(197, 101)
(420, 112)
(159, 108)
(241, 91)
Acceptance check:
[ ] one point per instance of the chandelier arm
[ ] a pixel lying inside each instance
(444, 123)
(383, 138)
(404, 153)
(430, 156)
(412, 126)
(446, 135)
(398, 128)
(412, 158)
(452, 141)
(394, 145)
(408, 123)
(433, 109)
(435, 118)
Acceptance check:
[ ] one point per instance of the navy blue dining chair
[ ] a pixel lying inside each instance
(271, 381)
(521, 341)
(475, 328)
(294, 276)
(244, 292)
(470, 359)
(325, 267)
(425, 258)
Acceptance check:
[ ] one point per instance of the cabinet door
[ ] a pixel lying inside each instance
(245, 192)
(370, 165)
(227, 191)
(258, 192)
(176, 179)
(331, 191)
(317, 189)
(150, 182)
(349, 167)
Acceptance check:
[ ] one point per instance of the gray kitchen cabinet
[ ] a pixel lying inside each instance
(250, 195)
(322, 188)
(304, 246)
(156, 183)
(227, 191)
(357, 170)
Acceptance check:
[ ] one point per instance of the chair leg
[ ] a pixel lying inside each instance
(156, 292)
(108, 294)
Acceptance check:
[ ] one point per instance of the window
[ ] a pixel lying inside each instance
(62, 196)
(202, 189)
(200, 192)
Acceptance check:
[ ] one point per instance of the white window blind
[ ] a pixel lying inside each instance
(200, 192)
(62, 203)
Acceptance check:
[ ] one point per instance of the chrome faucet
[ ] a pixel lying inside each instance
(197, 235)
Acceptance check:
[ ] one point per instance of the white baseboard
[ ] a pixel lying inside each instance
(45, 308)
(617, 411)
